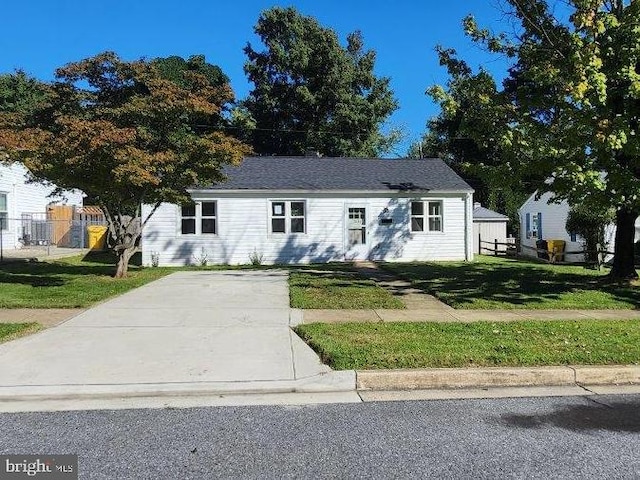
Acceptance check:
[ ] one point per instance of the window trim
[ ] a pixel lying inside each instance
(209, 217)
(198, 219)
(287, 216)
(5, 211)
(426, 216)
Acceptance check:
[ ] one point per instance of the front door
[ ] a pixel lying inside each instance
(357, 245)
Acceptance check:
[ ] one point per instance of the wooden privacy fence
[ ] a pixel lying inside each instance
(515, 248)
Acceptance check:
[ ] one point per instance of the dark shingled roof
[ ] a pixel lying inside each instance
(328, 173)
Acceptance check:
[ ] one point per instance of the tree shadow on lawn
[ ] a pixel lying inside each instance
(109, 258)
(515, 283)
(33, 280)
(54, 273)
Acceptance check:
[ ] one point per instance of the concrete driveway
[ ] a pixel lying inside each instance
(193, 333)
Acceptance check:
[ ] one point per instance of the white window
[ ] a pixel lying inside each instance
(435, 216)
(426, 216)
(4, 214)
(208, 217)
(199, 218)
(534, 225)
(288, 216)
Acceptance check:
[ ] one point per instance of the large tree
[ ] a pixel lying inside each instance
(312, 93)
(466, 134)
(20, 94)
(572, 100)
(125, 135)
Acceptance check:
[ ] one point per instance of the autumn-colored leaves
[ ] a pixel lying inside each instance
(124, 134)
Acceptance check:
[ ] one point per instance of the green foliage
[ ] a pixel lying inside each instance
(177, 70)
(467, 134)
(589, 221)
(569, 109)
(311, 93)
(187, 73)
(20, 93)
(125, 135)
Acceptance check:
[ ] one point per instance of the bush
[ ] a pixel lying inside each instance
(589, 221)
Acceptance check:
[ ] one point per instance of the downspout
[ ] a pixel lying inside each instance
(14, 195)
(468, 232)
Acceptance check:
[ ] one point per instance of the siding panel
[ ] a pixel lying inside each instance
(554, 218)
(25, 197)
(243, 228)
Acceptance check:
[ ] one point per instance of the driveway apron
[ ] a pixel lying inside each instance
(199, 329)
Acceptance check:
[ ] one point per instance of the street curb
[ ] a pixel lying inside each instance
(443, 378)
(333, 381)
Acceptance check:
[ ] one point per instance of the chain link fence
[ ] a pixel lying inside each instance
(37, 234)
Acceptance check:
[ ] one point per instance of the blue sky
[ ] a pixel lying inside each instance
(40, 35)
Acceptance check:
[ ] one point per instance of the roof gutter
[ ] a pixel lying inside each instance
(324, 192)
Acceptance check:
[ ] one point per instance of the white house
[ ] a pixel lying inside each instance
(542, 220)
(305, 209)
(19, 199)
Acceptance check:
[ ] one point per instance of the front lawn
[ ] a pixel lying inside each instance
(362, 346)
(337, 289)
(9, 331)
(67, 283)
(495, 283)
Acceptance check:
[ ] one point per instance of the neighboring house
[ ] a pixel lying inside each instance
(540, 220)
(488, 226)
(20, 200)
(306, 209)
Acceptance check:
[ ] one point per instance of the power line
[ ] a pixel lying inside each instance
(287, 130)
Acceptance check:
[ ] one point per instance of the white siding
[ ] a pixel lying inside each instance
(489, 231)
(24, 197)
(554, 218)
(243, 227)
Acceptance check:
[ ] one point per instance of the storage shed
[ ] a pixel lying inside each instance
(488, 226)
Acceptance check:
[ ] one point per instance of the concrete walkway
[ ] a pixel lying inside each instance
(196, 333)
(42, 253)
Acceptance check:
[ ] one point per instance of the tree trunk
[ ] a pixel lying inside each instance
(124, 256)
(623, 260)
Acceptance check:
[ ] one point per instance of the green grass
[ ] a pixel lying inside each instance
(422, 345)
(500, 283)
(68, 283)
(9, 331)
(337, 289)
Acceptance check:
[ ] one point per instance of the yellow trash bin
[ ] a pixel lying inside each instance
(556, 250)
(97, 237)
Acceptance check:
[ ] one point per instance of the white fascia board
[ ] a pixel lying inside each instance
(532, 196)
(212, 191)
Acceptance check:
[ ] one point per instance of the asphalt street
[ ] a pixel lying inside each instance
(553, 437)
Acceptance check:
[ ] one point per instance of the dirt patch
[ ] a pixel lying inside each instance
(47, 317)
